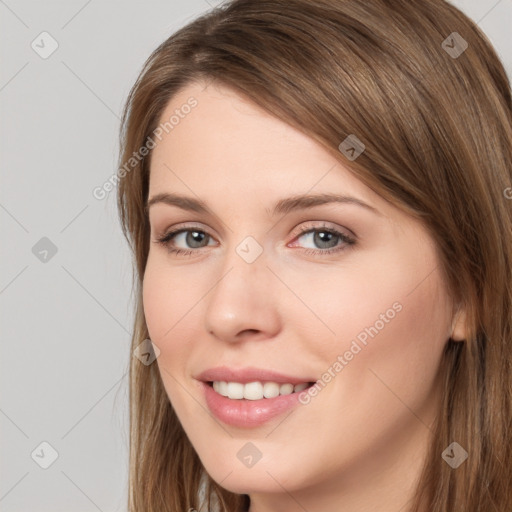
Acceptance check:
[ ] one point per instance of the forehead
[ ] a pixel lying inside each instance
(228, 141)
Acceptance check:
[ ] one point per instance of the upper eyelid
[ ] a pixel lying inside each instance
(184, 227)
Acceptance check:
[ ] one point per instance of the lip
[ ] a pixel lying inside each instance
(249, 374)
(248, 413)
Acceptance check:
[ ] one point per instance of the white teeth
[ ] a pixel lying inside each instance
(270, 389)
(223, 388)
(235, 390)
(286, 389)
(256, 390)
(253, 391)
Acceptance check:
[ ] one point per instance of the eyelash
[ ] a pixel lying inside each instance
(349, 241)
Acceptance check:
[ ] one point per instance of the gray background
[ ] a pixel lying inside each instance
(66, 317)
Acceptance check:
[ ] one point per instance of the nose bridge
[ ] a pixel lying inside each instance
(243, 263)
(242, 299)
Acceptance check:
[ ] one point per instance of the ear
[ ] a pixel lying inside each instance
(459, 330)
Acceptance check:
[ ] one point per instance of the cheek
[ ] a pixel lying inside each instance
(386, 312)
(168, 308)
(409, 356)
(391, 328)
(166, 298)
(168, 305)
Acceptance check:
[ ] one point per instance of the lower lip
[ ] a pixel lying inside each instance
(247, 413)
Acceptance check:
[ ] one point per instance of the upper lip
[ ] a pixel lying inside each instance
(248, 374)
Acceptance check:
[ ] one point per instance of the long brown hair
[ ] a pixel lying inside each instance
(435, 116)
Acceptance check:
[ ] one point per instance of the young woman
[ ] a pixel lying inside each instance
(318, 197)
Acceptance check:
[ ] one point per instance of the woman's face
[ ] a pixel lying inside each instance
(348, 293)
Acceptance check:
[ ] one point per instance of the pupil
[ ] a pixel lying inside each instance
(324, 237)
(195, 237)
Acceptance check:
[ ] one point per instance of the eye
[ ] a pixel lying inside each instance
(323, 239)
(193, 238)
(320, 239)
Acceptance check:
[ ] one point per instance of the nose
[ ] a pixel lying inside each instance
(244, 304)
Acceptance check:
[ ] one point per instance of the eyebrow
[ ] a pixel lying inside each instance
(283, 206)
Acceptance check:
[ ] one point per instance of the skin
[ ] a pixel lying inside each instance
(361, 441)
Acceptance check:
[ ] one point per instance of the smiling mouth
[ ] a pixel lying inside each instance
(256, 390)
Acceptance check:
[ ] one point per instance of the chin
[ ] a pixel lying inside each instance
(265, 476)
(248, 482)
